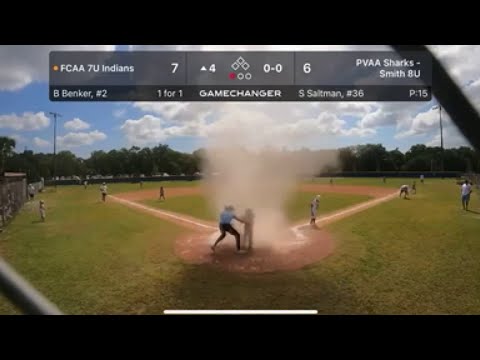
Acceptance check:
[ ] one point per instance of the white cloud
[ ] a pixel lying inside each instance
(254, 124)
(18, 137)
(460, 60)
(26, 121)
(39, 142)
(146, 130)
(74, 139)
(179, 111)
(21, 65)
(427, 124)
(451, 138)
(118, 113)
(20, 141)
(422, 123)
(76, 125)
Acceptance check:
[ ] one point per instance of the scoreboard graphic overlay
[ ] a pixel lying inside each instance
(240, 76)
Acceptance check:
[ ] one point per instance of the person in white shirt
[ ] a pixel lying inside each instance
(103, 190)
(466, 191)
(404, 190)
(31, 191)
(313, 209)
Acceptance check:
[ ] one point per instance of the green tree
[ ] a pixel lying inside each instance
(396, 159)
(7, 145)
(371, 157)
(348, 159)
(67, 164)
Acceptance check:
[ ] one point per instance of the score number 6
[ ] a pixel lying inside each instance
(307, 68)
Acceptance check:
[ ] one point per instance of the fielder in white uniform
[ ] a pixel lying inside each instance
(466, 191)
(104, 191)
(313, 209)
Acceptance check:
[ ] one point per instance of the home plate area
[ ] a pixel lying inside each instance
(297, 249)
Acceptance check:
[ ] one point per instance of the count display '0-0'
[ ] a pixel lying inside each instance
(276, 68)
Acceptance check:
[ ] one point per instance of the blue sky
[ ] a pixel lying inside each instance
(104, 117)
(24, 103)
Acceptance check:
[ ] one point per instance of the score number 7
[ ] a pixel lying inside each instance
(175, 67)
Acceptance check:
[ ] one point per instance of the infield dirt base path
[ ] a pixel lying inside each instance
(301, 246)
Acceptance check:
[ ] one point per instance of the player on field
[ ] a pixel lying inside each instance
(313, 209)
(225, 225)
(404, 190)
(104, 191)
(42, 210)
(466, 191)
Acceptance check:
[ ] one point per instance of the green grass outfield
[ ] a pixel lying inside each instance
(128, 187)
(297, 207)
(419, 256)
(390, 182)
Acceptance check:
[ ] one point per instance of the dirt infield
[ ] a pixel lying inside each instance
(302, 245)
(288, 254)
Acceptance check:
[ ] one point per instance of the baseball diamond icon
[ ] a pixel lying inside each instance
(240, 62)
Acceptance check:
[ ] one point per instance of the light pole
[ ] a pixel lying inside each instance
(439, 107)
(55, 115)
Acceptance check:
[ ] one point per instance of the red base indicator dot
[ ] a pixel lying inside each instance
(232, 76)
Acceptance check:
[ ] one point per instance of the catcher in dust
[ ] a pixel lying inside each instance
(249, 218)
(313, 209)
(225, 225)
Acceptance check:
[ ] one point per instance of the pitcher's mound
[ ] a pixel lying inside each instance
(293, 252)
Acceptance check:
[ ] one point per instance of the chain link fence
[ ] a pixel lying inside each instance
(13, 195)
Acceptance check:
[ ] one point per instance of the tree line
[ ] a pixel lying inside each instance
(374, 157)
(161, 159)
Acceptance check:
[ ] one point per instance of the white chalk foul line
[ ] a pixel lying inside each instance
(147, 208)
(353, 209)
(295, 229)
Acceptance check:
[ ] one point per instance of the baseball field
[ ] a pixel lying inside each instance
(371, 253)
